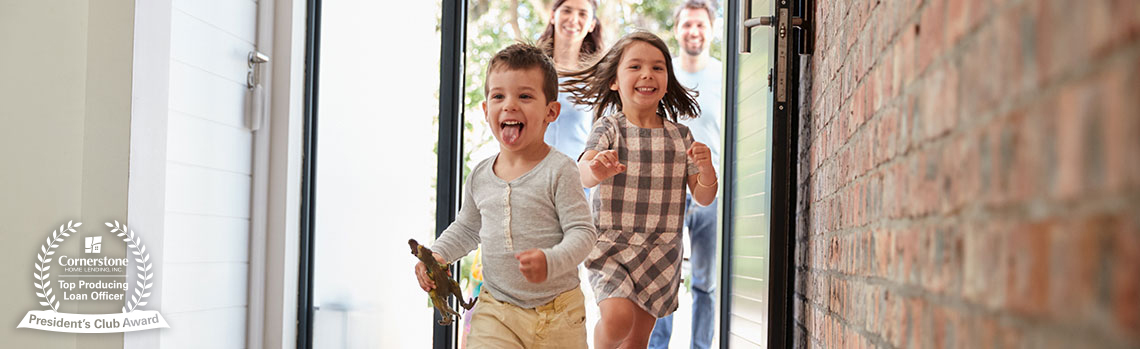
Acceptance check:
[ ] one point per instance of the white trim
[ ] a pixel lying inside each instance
(146, 184)
(259, 205)
(283, 201)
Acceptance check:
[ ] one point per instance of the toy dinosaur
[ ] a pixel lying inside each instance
(445, 286)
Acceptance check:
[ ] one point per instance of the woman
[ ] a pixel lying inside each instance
(572, 38)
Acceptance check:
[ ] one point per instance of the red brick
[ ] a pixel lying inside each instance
(995, 334)
(1117, 87)
(905, 56)
(1125, 20)
(909, 249)
(969, 184)
(944, 257)
(958, 19)
(1028, 273)
(982, 62)
(1073, 102)
(1076, 257)
(1126, 275)
(1063, 45)
(984, 267)
(898, 322)
(1023, 176)
(886, 139)
(883, 251)
(945, 328)
(961, 184)
(939, 103)
(931, 33)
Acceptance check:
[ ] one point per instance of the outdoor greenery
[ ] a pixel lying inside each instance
(495, 24)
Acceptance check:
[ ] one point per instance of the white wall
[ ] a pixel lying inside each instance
(64, 133)
(72, 75)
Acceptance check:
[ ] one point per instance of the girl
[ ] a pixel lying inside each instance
(573, 36)
(642, 162)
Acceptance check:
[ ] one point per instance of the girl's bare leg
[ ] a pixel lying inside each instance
(642, 328)
(618, 315)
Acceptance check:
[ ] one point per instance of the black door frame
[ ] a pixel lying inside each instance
(305, 310)
(785, 132)
(453, 36)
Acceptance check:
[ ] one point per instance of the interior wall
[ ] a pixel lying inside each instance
(65, 110)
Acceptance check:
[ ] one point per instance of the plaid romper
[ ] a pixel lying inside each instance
(639, 213)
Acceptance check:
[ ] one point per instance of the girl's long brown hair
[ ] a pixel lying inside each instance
(590, 45)
(591, 86)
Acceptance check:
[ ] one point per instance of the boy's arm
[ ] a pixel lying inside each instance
(579, 233)
(461, 236)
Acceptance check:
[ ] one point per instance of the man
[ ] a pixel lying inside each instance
(697, 70)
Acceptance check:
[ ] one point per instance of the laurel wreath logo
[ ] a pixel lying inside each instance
(143, 258)
(133, 241)
(46, 251)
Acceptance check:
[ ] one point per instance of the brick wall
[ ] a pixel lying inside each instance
(970, 175)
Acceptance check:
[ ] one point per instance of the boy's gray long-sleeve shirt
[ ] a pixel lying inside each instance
(544, 208)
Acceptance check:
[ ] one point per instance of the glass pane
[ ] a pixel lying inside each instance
(752, 200)
(376, 172)
(495, 24)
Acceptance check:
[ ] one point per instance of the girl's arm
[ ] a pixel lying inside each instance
(703, 185)
(596, 167)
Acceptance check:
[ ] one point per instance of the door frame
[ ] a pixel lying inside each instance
(785, 134)
(785, 141)
(449, 165)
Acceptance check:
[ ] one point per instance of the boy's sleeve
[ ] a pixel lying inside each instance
(461, 236)
(601, 137)
(579, 234)
(690, 165)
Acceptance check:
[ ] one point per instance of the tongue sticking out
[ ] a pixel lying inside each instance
(510, 134)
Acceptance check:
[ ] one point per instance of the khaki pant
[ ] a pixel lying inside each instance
(558, 324)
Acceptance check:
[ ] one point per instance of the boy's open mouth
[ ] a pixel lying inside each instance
(509, 131)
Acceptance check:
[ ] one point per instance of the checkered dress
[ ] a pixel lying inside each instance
(639, 213)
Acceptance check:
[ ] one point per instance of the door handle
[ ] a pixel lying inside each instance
(256, 97)
(750, 22)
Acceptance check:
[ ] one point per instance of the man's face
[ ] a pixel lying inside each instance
(516, 107)
(692, 31)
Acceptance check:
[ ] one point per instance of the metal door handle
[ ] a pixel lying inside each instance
(750, 22)
(257, 98)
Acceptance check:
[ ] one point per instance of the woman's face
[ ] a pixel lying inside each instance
(573, 20)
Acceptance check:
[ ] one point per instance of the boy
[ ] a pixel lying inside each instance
(526, 207)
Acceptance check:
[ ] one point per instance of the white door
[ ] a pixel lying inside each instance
(208, 174)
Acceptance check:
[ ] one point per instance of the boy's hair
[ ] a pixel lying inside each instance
(708, 5)
(591, 86)
(523, 56)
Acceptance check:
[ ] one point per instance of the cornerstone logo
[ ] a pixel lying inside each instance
(87, 278)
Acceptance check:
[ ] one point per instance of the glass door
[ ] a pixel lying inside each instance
(395, 144)
(760, 182)
(751, 188)
(375, 168)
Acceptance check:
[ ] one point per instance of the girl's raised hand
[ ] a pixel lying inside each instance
(606, 165)
(701, 155)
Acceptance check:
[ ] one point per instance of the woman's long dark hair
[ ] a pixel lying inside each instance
(591, 85)
(590, 45)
